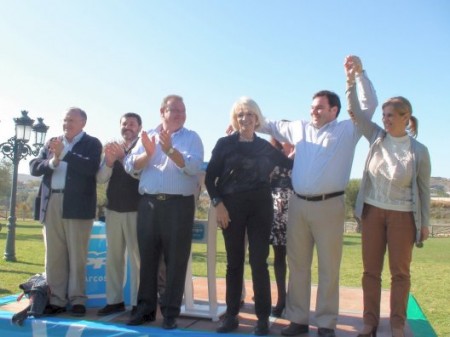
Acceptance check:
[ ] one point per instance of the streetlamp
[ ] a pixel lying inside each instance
(16, 148)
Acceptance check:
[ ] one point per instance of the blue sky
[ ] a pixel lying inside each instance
(111, 57)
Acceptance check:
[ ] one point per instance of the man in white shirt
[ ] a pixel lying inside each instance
(169, 159)
(324, 150)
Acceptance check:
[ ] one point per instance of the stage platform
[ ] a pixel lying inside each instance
(114, 325)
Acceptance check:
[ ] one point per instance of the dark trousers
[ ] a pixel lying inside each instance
(250, 212)
(164, 227)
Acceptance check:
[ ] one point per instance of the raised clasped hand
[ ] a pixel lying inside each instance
(353, 66)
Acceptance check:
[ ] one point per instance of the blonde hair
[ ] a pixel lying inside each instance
(403, 107)
(251, 105)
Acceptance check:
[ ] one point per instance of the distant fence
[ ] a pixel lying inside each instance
(350, 227)
(440, 230)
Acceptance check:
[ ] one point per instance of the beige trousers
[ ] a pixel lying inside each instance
(310, 224)
(65, 254)
(121, 238)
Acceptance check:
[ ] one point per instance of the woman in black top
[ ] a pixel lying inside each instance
(238, 182)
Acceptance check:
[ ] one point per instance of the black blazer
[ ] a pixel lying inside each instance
(80, 191)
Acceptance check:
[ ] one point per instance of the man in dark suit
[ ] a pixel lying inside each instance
(68, 165)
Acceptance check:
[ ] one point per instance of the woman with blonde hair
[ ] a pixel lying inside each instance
(393, 203)
(238, 182)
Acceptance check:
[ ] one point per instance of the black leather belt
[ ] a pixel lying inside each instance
(163, 197)
(319, 197)
(57, 190)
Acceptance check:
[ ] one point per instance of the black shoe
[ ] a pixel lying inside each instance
(228, 324)
(140, 318)
(368, 331)
(111, 309)
(169, 323)
(277, 311)
(261, 328)
(78, 310)
(295, 329)
(52, 309)
(133, 310)
(325, 332)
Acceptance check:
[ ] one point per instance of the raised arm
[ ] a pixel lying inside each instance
(356, 75)
(280, 130)
(361, 97)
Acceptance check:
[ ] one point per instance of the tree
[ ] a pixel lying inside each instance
(5, 178)
(5, 186)
(351, 193)
(24, 210)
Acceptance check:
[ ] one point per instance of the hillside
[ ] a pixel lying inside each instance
(440, 186)
(26, 178)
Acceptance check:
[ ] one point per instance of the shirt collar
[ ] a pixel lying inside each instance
(75, 139)
(181, 130)
(327, 125)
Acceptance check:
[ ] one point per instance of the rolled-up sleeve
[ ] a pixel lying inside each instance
(193, 157)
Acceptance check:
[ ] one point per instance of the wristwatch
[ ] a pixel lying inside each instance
(171, 151)
(216, 201)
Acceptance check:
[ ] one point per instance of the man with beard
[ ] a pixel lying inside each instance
(121, 216)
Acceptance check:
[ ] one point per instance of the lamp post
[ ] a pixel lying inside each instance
(16, 148)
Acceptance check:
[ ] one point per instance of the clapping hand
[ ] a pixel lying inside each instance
(148, 143)
(165, 140)
(113, 151)
(56, 147)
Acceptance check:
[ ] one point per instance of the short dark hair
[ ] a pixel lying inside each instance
(132, 115)
(333, 99)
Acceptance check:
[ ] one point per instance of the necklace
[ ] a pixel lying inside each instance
(243, 139)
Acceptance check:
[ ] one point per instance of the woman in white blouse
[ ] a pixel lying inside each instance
(393, 204)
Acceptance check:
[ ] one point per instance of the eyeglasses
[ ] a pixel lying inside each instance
(246, 114)
(172, 110)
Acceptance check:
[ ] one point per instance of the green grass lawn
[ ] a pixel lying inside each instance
(430, 269)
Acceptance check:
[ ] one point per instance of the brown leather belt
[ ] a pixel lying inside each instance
(320, 197)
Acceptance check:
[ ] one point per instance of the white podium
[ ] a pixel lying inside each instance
(204, 232)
